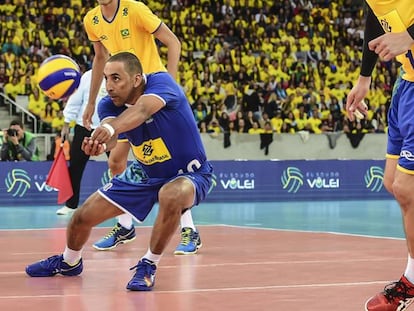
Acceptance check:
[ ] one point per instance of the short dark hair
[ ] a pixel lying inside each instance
(131, 62)
(17, 122)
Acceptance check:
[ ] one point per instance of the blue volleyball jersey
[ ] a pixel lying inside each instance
(169, 142)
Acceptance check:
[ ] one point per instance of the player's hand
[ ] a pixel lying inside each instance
(93, 147)
(355, 105)
(356, 110)
(101, 134)
(389, 45)
(87, 116)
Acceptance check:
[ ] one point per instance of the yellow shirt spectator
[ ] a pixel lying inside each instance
(48, 114)
(229, 88)
(314, 123)
(255, 129)
(248, 60)
(13, 88)
(277, 122)
(37, 102)
(58, 121)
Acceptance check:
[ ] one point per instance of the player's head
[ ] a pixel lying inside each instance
(123, 75)
(131, 62)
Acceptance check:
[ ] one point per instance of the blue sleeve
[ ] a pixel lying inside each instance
(106, 109)
(162, 85)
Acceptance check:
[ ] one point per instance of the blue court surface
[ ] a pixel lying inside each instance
(372, 218)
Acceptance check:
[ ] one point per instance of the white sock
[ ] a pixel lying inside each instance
(187, 220)
(409, 270)
(153, 257)
(71, 257)
(125, 220)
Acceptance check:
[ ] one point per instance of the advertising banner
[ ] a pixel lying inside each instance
(24, 183)
(299, 180)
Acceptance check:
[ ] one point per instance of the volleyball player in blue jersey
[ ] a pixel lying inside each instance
(153, 113)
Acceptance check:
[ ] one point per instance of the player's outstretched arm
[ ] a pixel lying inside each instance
(354, 101)
(170, 40)
(99, 60)
(131, 118)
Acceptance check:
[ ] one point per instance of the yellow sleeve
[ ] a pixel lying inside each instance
(147, 18)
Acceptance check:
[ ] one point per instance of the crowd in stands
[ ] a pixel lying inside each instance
(251, 66)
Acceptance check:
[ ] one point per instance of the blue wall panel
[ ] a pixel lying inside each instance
(23, 183)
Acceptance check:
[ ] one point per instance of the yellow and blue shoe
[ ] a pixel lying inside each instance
(190, 242)
(52, 266)
(144, 277)
(118, 235)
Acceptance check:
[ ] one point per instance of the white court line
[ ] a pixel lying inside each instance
(311, 231)
(215, 265)
(227, 289)
(234, 226)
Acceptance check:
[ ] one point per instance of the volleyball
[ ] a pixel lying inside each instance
(58, 76)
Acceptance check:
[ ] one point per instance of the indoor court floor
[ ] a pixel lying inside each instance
(302, 256)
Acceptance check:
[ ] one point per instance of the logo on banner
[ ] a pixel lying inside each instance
(213, 183)
(17, 182)
(374, 178)
(292, 179)
(237, 181)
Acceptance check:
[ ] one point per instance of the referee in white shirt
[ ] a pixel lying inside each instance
(73, 111)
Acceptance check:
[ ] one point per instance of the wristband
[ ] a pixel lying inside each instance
(109, 128)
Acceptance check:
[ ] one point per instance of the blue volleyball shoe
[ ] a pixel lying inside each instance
(52, 266)
(190, 242)
(144, 277)
(118, 235)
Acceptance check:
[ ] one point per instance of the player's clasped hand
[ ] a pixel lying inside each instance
(101, 134)
(93, 147)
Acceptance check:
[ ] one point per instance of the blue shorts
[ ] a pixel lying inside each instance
(401, 126)
(135, 193)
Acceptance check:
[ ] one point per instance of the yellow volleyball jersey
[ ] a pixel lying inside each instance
(397, 16)
(131, 30)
